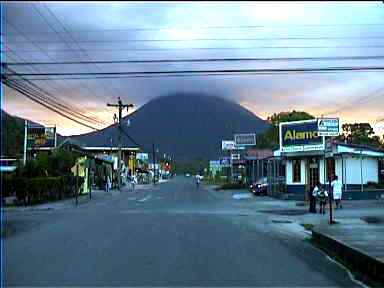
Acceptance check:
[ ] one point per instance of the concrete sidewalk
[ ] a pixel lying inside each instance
(358, 244)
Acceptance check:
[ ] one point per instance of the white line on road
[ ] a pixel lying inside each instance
(146, 198)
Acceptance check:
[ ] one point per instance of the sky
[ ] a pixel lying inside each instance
(116, 31)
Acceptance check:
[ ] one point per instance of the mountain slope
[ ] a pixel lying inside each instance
(188, 126)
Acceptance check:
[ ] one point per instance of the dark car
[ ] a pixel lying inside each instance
(259, 187)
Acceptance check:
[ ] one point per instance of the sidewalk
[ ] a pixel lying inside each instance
(358, 244)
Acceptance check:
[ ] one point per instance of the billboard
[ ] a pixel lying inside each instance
(300, 136)
(225, 162)
(41, 137)
(142, 156)
(228, 145)
(328, 126)
(245, 139)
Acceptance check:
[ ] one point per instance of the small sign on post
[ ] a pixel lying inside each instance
(228, 145)
(328, 126)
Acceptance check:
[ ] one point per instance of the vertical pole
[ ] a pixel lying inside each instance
(25, 142)
(89, 178)
(77, 183)
(253, 170)
(119, 154)
(55, 137)
(154, 163)
(361, 171)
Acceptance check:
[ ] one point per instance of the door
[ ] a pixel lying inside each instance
(313, 173)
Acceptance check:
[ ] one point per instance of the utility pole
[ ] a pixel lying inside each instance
(121, 106)
(154, 163)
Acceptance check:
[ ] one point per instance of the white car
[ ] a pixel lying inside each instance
(187, 175)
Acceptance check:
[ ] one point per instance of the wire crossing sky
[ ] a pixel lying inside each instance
(267, 56)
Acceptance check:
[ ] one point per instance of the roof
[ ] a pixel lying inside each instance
(359, 146)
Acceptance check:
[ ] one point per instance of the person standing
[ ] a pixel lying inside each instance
(322, 196)
(313, 195)
(337, 188)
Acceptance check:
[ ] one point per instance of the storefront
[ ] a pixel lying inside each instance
(309, 160)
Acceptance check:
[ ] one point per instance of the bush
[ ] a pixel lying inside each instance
(39, 189)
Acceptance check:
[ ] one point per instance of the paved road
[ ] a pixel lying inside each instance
(171, 235)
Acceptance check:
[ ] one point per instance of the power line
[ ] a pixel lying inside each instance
(232, 27)
(47, 98)
(374, 57)
(341, 68)
(112, 88)
(378, 93)
(199, 75)
(84, 86)
(214, 39)
(52, 100)
(36, 69)
(202, 48)
(30, 96)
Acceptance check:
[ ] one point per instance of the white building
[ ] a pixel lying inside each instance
(356, 166)
(309, 160)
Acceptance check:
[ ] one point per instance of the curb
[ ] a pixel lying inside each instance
(352, 257)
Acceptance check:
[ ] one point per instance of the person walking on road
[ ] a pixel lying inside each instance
(337, 188)
(107, 184)
(322, 196)
(133, 182)
(197, 180)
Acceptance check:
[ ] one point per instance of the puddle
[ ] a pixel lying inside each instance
(286, 212)
(373, 219)
(282, 221)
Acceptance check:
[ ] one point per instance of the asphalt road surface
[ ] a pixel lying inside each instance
(172, 234)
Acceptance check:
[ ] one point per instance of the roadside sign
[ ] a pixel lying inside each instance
(328, 126)
(142, 156)
(228, 145)
(298, 136)
(245, 139)
(225, 162)
(41, 137)
(235, 156)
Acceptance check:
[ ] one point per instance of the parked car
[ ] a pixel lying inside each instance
(259, 187)
(187, 175)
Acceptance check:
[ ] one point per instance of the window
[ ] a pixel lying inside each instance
(296, 173)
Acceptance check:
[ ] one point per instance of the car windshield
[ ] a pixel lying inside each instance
(192, 144)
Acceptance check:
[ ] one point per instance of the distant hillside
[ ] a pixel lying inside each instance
(188, 126)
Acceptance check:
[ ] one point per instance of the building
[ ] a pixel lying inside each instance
(309, 159)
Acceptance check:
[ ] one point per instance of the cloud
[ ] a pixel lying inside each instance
(263, 94)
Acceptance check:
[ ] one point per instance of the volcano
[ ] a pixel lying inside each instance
(187, 126)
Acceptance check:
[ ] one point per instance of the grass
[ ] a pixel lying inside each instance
(307, 226)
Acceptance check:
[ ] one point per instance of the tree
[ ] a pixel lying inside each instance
(360, 133)
(270, 138)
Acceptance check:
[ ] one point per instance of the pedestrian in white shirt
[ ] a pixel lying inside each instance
(337, 188)
(312, 205)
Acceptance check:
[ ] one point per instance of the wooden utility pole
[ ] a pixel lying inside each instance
(121, 106)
